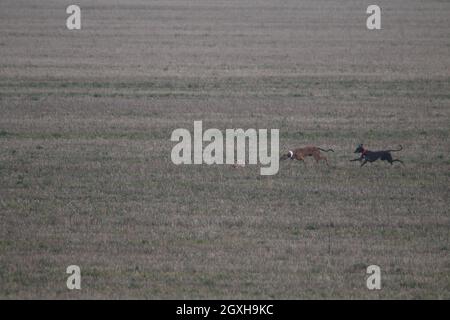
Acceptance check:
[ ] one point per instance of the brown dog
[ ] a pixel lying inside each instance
(309, 151)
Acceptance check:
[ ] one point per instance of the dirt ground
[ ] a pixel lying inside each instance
(85, 171)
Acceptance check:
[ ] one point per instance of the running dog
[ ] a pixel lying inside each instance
(309, 151)
(371, 156)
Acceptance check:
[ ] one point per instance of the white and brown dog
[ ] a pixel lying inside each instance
(309, 151)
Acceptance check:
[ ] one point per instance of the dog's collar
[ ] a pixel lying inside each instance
(363, 153)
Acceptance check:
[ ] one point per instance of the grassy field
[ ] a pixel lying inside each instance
(85, 170)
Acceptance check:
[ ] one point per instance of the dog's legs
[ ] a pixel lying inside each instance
(365, 161)
(319, 157)
(397, 160)
(357, 159)
(301, 159)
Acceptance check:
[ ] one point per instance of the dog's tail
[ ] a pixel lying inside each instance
(326, 150)
(401, 148)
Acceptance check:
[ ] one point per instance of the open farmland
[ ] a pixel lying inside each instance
(86, 176)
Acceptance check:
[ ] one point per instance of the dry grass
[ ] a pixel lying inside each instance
(85, 171)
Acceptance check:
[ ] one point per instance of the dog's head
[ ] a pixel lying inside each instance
(288, 155)
(359, 148)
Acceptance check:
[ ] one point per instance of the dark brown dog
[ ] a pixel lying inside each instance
(372, 156)
(309, 151)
